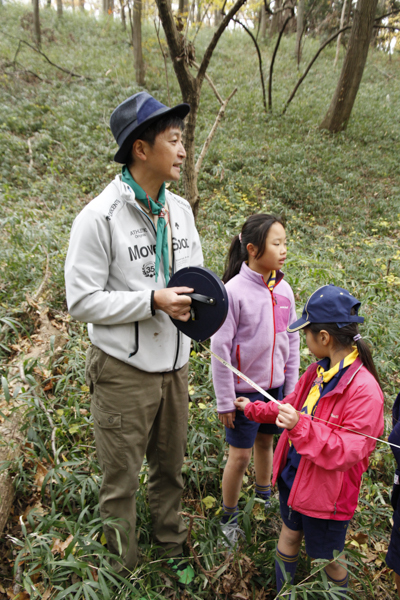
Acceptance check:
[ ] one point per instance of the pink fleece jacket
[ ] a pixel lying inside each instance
(333, 460)
(254, 338)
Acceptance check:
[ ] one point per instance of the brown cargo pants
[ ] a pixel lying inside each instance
(136, 413)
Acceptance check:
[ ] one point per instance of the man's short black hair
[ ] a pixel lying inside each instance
(152, 131)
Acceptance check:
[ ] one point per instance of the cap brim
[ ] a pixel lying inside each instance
(180, 110)
(297, 325)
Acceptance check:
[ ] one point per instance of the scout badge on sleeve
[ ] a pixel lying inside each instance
(209, 302)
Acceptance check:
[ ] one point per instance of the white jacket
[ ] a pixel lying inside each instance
(109, 276)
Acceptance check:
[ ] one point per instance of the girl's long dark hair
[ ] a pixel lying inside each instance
(344, 338)
(255, 232)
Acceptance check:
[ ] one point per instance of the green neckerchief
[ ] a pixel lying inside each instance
(157, 208)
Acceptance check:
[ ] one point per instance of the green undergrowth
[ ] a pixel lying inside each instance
(340, 197)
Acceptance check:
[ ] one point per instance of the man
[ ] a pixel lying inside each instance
(124, 245)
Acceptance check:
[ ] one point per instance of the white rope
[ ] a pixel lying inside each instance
(264, 393)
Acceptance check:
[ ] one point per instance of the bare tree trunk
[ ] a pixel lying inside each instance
(184, 7)
(276, 21)
(36, 22)
(198, 12)
(59, 8)
(338, 114)
(123, 16)
(108, 7)
(217, 17)
(299, 29)
(82, 5)
(342, 18)
(263, 25)
(190, 85)
(137, 42)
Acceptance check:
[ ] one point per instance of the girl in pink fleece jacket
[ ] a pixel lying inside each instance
(320, 457)
(254, 340)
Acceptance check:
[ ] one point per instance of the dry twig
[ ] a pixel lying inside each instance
(212, 132)
(193, 551)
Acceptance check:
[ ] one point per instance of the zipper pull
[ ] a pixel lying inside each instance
(290, 512)
(334, 512)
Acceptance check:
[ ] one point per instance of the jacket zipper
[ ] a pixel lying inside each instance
(173, 260)
(273, 345)
(238, 360)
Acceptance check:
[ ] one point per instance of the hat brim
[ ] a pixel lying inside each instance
(122, 156)
(297, 325)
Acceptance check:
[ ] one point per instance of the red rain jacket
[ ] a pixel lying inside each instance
(333, 460)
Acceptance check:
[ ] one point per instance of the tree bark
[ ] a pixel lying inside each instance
(299, 29)
(59, 8)
(190, 86)
(342, 19)
(276, 21)
(13, 440)
(263, 25)
(137, 42)
(36, 22)
(123, 16)
(338, 114)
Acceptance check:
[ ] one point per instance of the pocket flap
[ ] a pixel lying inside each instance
(104, 419)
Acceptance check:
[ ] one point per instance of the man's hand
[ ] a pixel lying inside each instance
(241, 403)
(228, 419)
(288, 416)
(173, 302)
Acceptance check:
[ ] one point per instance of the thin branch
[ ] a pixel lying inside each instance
(30, 153)
(193, 551)
(271, 68)
(383, 72)
(386, 27)
(210, 81)
(165, 60)
(300, 81)
(46, 277)
(259, 58)
(212, 132)
(389, 14)
(211, 47)
(201, 20)
(71, 73)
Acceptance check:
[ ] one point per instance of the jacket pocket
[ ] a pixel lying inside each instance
(109, 440)
(281, 313)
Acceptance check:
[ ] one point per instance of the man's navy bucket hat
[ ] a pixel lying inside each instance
(134, 115)
(329, 304)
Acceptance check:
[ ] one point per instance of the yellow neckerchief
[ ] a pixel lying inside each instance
(323, 377)
(271, 281)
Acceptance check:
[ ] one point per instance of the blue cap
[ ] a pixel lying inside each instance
(329, 304)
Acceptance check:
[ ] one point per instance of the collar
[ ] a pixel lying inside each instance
(344, 381)
(139, 192)
(248, 273)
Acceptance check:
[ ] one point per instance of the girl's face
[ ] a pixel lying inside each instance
(274, 254)
(316, 343)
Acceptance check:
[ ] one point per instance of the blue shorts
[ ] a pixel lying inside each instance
(393, 555)
(321, 536)
(244, 434)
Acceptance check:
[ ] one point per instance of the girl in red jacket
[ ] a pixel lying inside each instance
(318, 465)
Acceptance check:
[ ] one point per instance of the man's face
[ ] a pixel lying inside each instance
(164, 158)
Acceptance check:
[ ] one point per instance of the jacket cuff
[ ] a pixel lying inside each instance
(153, 311)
